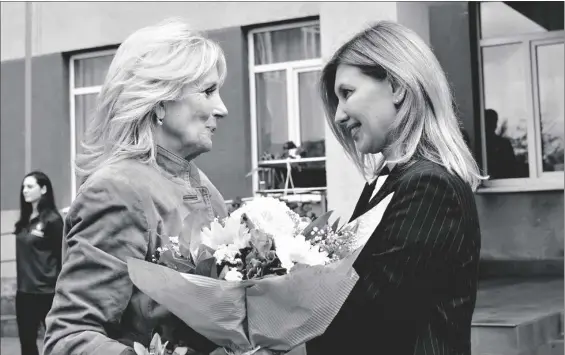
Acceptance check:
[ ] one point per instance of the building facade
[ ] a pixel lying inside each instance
(504, 62)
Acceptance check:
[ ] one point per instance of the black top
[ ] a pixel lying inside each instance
(417, 273)
(38, 255)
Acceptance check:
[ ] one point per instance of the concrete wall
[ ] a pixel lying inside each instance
(12, 131)
(97, 24)
(50, 134)
(230, 159)
(521, 225)
(450, 41)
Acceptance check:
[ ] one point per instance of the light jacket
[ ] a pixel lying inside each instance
(121, 211)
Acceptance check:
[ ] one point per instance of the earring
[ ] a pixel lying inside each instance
(160, 113)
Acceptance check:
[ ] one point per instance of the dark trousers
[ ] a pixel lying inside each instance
(31, 310)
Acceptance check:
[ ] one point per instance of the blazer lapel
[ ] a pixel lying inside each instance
(363, 200)
(387, 188)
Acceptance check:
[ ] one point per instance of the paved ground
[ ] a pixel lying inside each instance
(11, 346)
(516, 301)
(504, 301)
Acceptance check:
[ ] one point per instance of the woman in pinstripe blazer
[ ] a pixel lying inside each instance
(385, 92)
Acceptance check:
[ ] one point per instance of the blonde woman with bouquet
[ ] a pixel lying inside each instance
(157, 110)
(385, 92)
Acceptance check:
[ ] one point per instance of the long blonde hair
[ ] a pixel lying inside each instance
(151, 66)
(426, 124)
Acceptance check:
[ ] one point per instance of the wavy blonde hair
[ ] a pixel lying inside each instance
(426, 124)
(151, 66)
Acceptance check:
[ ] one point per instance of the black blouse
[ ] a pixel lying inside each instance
(38, 255)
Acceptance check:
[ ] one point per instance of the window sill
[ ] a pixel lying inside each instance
(521, 185)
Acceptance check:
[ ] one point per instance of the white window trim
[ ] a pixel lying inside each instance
(73, 92)
(292, 69)
(539, 180)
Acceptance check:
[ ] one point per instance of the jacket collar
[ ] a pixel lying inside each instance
(172, 163)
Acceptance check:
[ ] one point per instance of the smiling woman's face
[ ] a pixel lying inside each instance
(366, 108)
(190, 122)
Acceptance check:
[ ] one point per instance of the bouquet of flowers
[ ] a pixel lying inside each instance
(261, 278)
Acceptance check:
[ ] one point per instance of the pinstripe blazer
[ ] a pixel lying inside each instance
(418, 271)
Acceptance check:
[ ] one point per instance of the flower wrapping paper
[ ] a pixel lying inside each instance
(275, 312)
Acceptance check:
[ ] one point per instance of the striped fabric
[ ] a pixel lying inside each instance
(418, 271)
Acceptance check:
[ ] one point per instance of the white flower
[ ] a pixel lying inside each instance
(233, 275)
(299, 250)
(239, 232)
(227, 253)
(232, 233)
(270, 216)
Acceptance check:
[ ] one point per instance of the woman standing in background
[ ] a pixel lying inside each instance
(38, 257)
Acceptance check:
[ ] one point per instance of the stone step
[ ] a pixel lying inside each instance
(555, 347)
(8, 286)
(8, 305)
(537, 337)
(9, 327)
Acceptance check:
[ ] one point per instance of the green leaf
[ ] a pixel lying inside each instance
(207, 268)
(319, 222)
(335, 225)
(176, 262)
(191, 232)
(204, 253)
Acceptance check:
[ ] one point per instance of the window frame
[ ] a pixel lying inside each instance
(538, 180)
(292, 70)
(73, 93)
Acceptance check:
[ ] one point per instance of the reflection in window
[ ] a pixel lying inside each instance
(312, 128)
(85, 106)
(272, 122)
(550, 80)
(287, 45)
(505, 97)
(91, 71)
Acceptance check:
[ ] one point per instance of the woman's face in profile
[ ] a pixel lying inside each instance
(191, 120)
(366, 108)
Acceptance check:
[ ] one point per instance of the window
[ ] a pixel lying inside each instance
(521, 55)
(87, 73)
(287, 118)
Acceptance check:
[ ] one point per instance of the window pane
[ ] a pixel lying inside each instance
(272, 115)
(550, 78)
(287, 45)
(85, 106)
(91, 71)
(500, 19)
(312, 127)
(507, 114)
